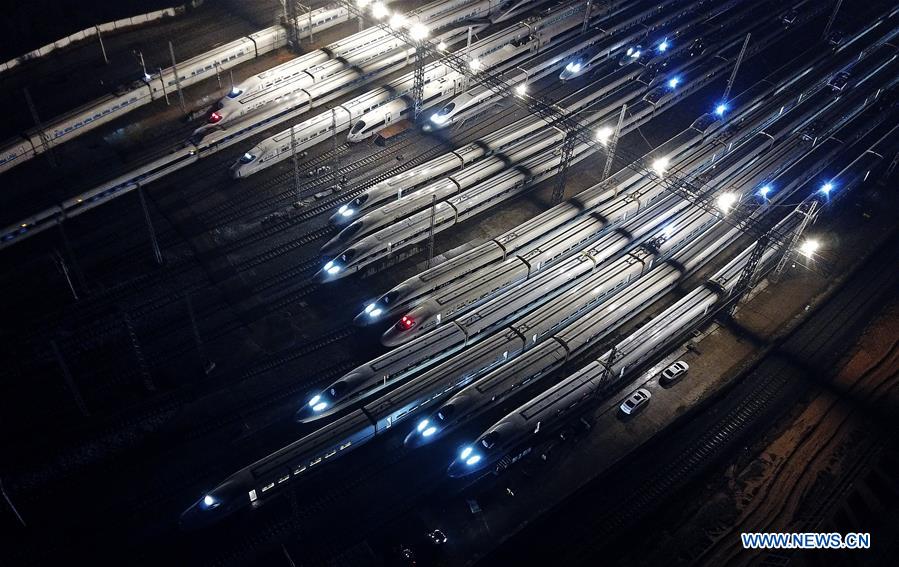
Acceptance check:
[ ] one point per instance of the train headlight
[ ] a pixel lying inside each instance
(375, 312)
(422, 424)
(429, 431)
(314, 400)
(333, 269)
(319, 406)
(347, 212)
(827, 188)
(663, 47)
(721, 109)
(673, 82)
(465, 453)
(369, 307)
(209, 502)
(438, 118)
(473, 460)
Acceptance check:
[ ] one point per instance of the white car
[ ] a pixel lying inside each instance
(635, 402)
(674, 372)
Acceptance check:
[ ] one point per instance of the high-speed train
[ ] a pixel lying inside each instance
(314, 130)
(432, 346)
(879, 31)
(456, 299)
(525, 371)
(406, 232)
(360, 53)
(546, 411)
(465, 178)
(254, 484)
(403, 233)
(410, 182)
(786, 83)
(561, 32)
(154, 86)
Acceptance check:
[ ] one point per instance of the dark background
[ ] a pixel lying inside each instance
(29, 24)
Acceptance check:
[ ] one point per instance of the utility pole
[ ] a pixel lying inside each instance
(564, 163)
(64, 270)
(138, 353)
(164, 92)
(157, 253)
(586, 17)
(613, 143)
(290, 13)
(296, 165)
(177, 78)
(67, 376)
(67, 248)
(833, 17)
(418, 82)
(231, 73)
(45, 141)
(733, 75)
(208, 364)
(431, 230)
(11, 505)
(143, 65)
(808, 217)
(102, 47)
(218, 76)
(336, 163)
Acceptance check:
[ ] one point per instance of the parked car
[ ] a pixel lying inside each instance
(674, 372)
(635, 402)
(437, 537)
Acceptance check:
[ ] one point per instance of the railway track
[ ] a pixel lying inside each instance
(815, 344)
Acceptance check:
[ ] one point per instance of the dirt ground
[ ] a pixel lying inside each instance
(829, 466)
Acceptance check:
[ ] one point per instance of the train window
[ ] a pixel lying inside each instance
(339, 389)
(490, 439)
(358, 126)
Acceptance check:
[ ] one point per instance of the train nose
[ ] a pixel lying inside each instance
(469, 461)
(332, 247)
(403, 331)
(315, 408)
(425, 432)
(330, 272)
(370, 315)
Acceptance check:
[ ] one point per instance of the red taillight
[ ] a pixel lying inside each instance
(215, 117)
(406, 323)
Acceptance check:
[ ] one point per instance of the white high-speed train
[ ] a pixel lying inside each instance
(154, 86)
(321, 127)
(358, 52)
